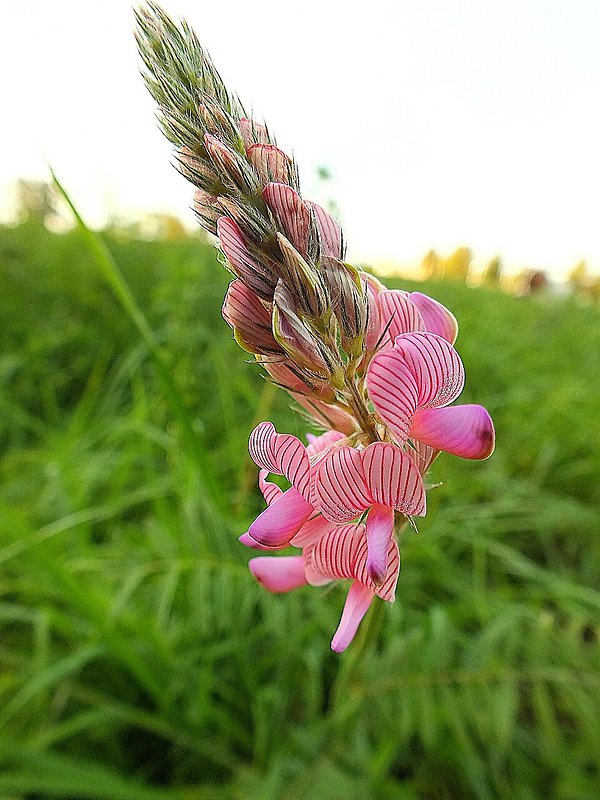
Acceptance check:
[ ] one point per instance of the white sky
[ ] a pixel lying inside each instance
(444, 122)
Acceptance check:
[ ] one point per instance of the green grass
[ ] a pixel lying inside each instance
(138, 658)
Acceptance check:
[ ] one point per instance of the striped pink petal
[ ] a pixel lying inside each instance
(466, 431)
(250, 320)
(270, 491)
(330, 233)
(357, 604)
(342, 553)
(380, 528)
(398, 314)
(437, 318)
(281, 521)
(281, 453)
(393, 479)
(271, 163)
(278, 574)
(255, 275)
(393, 389)
(290, 211)
(422, 455)
(339, 487)
(436, 366)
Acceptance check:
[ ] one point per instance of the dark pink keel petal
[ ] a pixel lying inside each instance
(394, 391)
(398, 313)
(380, 527)
(436, 367)
(281, 453)
(248, 541)
(466, 431)
(393, 478)
(339, 487)
(281, 521)
(436, 317)
(357, 603)
(278, 574)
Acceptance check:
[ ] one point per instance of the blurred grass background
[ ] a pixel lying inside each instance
(139, 659)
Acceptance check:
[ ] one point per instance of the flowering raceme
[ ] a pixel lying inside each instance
(375, 369)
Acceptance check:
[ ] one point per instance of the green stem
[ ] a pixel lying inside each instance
(349, 666)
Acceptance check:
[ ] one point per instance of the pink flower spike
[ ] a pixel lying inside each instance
(436, 317)
(466, 431)
(380, 528)
(290, 211)
(278, 574)
(356, 606)
(281, 453)
(330, 233)
(398, 313)
(281, 521)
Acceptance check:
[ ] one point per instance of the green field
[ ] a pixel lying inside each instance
(139, 660)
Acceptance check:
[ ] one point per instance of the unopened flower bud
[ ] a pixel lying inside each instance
(272, 164)
(207, 210)
(254, 133)
(330, 234)
(303, 281)
(301, 344)
(218, 121)
(348, 302)
(290, 212)
(250, 320)
(253, 273)
(231, 167)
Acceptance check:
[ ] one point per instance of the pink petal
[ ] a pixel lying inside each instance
(339, 488)
(248, 541)
(326, 414)
(466, 431)
(253, 133)
(281, 453)
(380, 527)
(436, 366)
(342, 552)
(317, 444)
(357, 603)
(278, 574)
(436, 317)
(393, 479)
(270, 491)
(310, 533)
(393, 389)
(290, 211)
(281, 521)
(398, 314)
(422, 455)
(271, 163)
(255, 275)
(250, 320)
(330, 233)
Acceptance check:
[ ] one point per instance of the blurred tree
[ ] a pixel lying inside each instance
(493, 272)
(35, 201)
(458, 265)
(432, 265)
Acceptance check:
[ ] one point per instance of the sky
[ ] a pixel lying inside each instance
(443, 122)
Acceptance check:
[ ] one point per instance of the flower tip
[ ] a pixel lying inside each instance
(247, 540)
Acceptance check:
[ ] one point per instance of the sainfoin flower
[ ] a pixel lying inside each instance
(375, 369)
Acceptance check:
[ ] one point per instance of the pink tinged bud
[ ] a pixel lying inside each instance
(250, 320)
(278, 574)
(295, 338)
(281, 521)
(303, 282)
(348, 301)
(248, 269)
(436, 317)
(290, 212)
(330, 233)
(465, 430)
(328, 415)
(374, 324)
(357, 604)
(217, 121)
(207, 210)
(272, 164)
(253, 133)
(230, 165)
